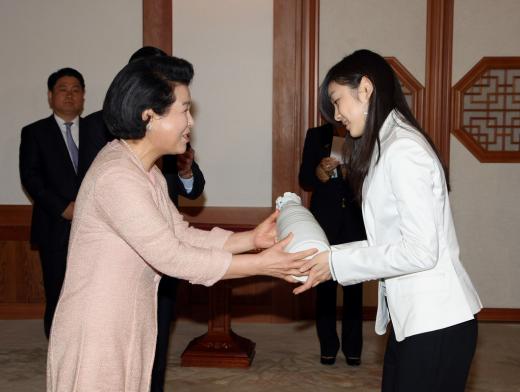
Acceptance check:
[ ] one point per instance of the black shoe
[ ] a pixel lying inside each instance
(353, 361)
(327, 360)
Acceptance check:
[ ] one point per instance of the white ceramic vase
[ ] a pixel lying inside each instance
(295, 218)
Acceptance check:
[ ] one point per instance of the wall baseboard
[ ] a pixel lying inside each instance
(246, 314)
(21, 311)
(509, 315)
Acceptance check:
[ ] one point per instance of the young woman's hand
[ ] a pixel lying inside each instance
(264, 235)
(318, 270)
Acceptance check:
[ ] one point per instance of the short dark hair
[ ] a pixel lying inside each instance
(145, 84)
(55, 76)
(386, 96)
(146, 52)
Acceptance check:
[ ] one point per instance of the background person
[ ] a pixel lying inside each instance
(338, 213)
(55, 153)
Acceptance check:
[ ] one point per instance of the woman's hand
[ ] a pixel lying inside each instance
(264, 235)
(318, 270)
(280, 264)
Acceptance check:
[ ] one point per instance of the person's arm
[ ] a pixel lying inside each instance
(311, 158)
(273, 261)
(127, 204)
(190, 187)
(32, 178)
(412, 173)
(198, 183)
(315, 168)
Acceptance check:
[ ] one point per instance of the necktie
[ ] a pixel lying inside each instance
(71, 145)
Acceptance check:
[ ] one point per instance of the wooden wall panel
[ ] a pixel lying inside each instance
(157, 24)
(439, 43)
(253, 299)
(20, 273)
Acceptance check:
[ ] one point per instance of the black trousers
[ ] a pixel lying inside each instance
(53, 264)
(351, 325)
(436, 361)
(166, 296)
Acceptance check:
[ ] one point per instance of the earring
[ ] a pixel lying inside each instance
(365, 112)
(149, 126)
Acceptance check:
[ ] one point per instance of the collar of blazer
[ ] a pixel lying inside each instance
(393, 120)
(384, 135)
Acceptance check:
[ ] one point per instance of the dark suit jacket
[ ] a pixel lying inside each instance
(175, 186)
(96, 124)
(48, 176)
(332, 203)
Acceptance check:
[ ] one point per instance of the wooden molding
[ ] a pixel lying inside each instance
(412, 84)
(239, 217)
(295, 69)
(15, 222)
(437, 105)
(499, 314)
(246, 314)
(21, 311)
(157, 24)
(459, 90)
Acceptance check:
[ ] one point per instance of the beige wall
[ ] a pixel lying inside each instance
(37, 38)
(485, 196)
(391, 28)
(230, 43)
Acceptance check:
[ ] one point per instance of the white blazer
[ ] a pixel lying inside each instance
(411, 242)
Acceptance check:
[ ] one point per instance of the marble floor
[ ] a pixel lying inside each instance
(286, 360)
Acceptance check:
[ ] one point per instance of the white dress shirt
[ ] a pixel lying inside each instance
(187, 183)
(411, 243)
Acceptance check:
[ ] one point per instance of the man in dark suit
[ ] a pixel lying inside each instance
(184, 178)
(55, 153)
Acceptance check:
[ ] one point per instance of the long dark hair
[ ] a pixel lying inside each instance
(387, 95)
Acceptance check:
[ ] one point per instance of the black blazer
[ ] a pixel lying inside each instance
(96, 124)
(332, 203)
(48, 176)
(175, 186)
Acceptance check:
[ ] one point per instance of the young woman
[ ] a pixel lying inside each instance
(411, 244)
(126, 233)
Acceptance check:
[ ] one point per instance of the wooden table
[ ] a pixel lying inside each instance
(220, 346)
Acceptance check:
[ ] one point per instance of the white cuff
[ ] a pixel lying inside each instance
(331, 266)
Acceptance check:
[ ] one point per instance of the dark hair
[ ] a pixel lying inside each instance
(387, 95)
(54, 77)
(141, 85)
(146, 52)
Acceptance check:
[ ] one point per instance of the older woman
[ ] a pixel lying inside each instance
(126, 233)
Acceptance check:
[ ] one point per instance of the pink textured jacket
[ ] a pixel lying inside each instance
(126, 233)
